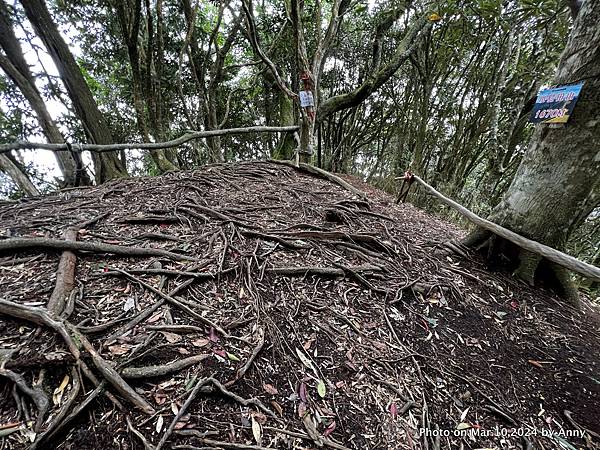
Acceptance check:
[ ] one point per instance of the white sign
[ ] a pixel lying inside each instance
(306, 99)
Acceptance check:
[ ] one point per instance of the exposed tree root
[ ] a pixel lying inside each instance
(222, 444)
(324, 174)
(361, 298)
(165, 437)
(14, 244)
(70, 335)
(58, 421)
(525, 265)
(143, 315)
(165, 369)
(113, 377)
(35, 393)
(61, 427)
(242, 370)
(175, 302)
(65, 277)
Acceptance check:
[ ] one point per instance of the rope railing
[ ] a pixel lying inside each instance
(551, 254)
(99, 148)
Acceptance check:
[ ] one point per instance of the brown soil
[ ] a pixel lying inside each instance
(417, 340)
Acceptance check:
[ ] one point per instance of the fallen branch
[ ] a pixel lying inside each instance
(99, 148)
(94, 247)
(551, 254)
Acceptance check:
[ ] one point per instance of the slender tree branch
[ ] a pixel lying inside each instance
(253, 36)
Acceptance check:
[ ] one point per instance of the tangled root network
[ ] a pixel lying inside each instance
(259, 306)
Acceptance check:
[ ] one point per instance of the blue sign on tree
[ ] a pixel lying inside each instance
(555, 105)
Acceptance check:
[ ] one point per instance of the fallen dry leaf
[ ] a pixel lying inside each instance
(330, 428)
(277, 407)
(171, 337)
(201, 342)
(256, 431)
(159, 423)
(155, 318)
(119, 349)
(393, 410)
(270, 389)
(59, 391)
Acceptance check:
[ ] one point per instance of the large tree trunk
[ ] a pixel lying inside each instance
(107, 165)
(15, 66)
(553, 187)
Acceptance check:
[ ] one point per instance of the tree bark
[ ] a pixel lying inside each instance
(130, 16)
(108, 166)
(287, 145)
(8, 166)
(15, 66)
(558, 175)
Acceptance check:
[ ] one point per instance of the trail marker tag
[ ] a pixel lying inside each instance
(306, 99)
(555, 105)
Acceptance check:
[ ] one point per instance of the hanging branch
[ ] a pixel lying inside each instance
(99, 148)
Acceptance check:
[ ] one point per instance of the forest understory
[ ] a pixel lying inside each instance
(256, 306)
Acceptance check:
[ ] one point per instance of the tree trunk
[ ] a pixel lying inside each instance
(108, 164)
(130, 15)
(559, 172)
(8, 166)
(15, 66)
(287, 145)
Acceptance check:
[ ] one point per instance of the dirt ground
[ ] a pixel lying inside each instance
(274, 309)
